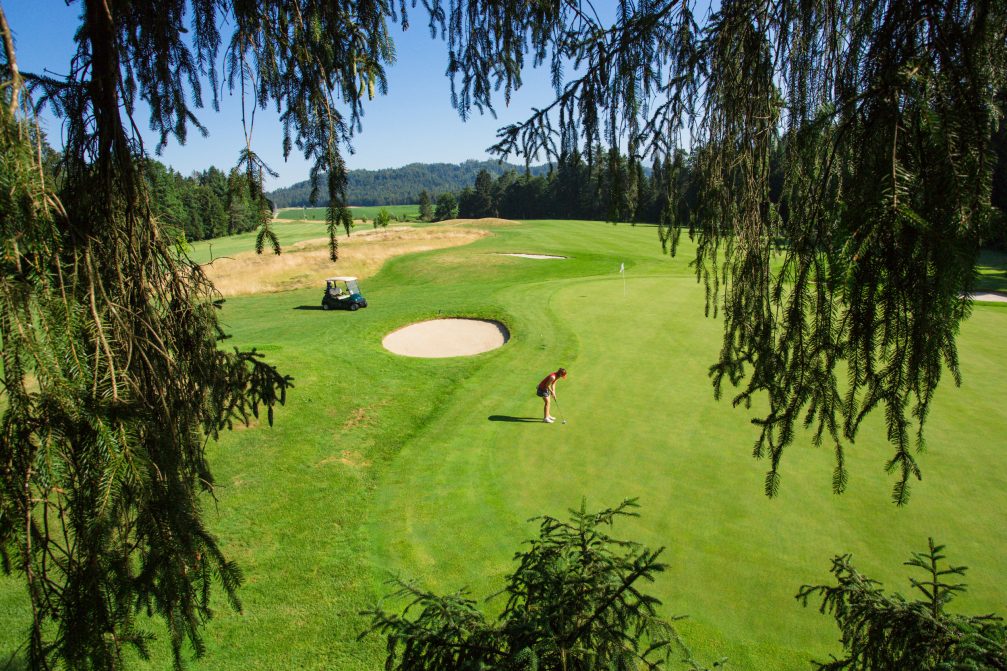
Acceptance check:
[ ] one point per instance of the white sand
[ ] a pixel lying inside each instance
(441, 338)
(989, 297)
(532, 256)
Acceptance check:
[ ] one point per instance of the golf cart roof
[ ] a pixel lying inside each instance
(341, 279)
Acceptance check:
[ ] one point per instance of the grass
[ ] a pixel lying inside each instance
(367, 212)
(992, 271)
(382, 465)
(306, 263)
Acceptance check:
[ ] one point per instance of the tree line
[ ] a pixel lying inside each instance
(207, 204)
(612, 189)
(395, 186)
(576, 187)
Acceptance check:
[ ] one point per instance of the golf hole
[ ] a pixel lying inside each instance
(532, 256)
(443, 338)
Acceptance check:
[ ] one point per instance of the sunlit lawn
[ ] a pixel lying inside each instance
(367, 212)
(382, 465)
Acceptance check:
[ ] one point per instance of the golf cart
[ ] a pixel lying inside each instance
(342, 293)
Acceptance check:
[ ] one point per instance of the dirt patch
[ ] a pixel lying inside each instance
(238, 425)
(302, 264)
(361, 416)
(442, 338)
(356, 419)
(351, 458)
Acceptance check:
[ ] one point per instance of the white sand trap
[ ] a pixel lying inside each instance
(989, 297)
(442, 338)
(532, 256)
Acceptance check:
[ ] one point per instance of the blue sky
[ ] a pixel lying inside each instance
(413, 123)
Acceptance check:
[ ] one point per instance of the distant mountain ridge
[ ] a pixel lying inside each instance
(399, 186)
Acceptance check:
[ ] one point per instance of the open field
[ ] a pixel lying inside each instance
(382, 465)
(358, 211)
(303, 263)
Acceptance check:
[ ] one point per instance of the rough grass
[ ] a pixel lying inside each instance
(306, 263)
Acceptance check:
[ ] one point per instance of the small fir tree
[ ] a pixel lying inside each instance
(883, 632)
(573, 602)
(426, 208)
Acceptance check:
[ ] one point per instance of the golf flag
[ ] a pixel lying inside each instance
(622, 267)
(622, 271)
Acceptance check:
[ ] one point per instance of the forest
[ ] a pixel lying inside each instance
(207, 204)
(396, 186)
(605, 187)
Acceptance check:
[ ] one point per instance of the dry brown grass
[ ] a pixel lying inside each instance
(306, 264)
(351, 458)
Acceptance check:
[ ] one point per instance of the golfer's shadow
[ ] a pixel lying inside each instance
(508, 418)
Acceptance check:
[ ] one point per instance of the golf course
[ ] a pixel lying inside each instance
(428, 469)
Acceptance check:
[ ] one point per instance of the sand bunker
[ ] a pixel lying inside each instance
(989, 297)
(532, 256)
(441, 338)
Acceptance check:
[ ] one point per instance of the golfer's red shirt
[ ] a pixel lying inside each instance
(549, 379)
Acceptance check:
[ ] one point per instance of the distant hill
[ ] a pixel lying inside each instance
(399, 186)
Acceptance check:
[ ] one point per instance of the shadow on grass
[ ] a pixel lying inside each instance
(992, 270)
(15, 662)
(308, 307)
(507, 418)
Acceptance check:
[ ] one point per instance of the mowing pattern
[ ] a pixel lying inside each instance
(383, 465)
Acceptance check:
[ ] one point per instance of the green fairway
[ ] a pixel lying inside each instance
(382, 465)
(357, 211)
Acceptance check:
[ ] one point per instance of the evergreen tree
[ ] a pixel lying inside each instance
(575, 601)
(112, 376)
(882, 632)
(572, 186)
(483, 205)
(468, 207)
(426, 209)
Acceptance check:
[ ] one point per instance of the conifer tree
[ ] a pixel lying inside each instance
(426, 209)
(882, 632)
(576, 600)
(483, 204)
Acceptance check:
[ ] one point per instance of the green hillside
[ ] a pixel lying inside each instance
(397, 186)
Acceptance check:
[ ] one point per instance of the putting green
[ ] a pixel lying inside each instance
(383, 465)
(643, 423)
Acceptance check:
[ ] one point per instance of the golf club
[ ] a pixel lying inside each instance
(559, 411)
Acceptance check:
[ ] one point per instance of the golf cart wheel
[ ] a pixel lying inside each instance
(364, 304)
(354, 307)
(325, 306)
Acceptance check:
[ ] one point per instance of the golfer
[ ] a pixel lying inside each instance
(547, 391)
